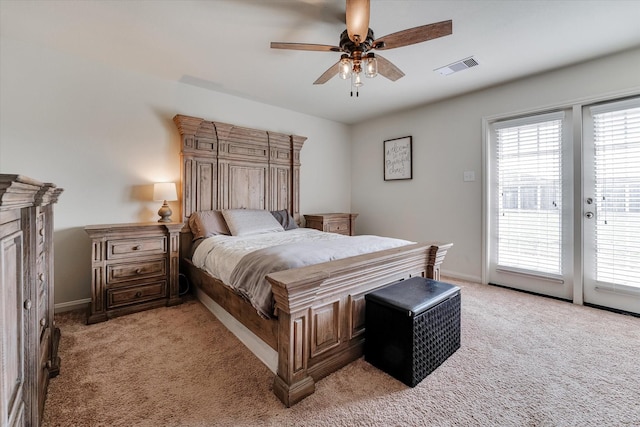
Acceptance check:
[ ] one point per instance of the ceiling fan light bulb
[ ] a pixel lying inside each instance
(371, 67)
(345, 69)
(356, 80)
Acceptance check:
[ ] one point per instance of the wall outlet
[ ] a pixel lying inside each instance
(469, 176)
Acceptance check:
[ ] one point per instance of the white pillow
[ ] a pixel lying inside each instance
(244, 222)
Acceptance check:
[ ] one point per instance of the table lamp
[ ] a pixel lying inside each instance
(165, 191)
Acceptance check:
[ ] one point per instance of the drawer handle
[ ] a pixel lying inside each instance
(43, 322)
(138, 294)
(137, 247)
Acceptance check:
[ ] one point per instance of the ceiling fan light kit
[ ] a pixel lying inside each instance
(355, 45)
(352, 67)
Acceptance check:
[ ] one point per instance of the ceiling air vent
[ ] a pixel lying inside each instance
(463, 64)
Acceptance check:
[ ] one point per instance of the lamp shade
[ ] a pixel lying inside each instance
(165, 191)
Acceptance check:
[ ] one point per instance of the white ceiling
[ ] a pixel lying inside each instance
(223, 45)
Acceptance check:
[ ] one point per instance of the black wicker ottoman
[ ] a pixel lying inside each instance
(412, 326)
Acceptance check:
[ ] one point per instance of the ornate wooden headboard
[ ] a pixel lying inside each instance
(227, 167)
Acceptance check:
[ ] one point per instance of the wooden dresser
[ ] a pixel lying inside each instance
(28, 336)
(341, 223)
(134, 267)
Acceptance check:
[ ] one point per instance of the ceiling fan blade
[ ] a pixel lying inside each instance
(305, 46)
(327, 75)
(388, 70)
(358, 20)
(414, 35)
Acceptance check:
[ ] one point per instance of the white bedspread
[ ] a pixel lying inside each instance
(220, 255)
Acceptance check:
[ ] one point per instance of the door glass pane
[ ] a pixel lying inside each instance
(529, 214)
(617, 195)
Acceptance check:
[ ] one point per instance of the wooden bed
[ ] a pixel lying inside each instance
(320, 323)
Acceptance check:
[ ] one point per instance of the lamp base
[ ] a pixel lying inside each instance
(165, 213)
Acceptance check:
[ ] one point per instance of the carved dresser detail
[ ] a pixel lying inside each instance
(28, 337)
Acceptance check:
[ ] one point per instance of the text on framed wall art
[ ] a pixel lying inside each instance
(397, 158)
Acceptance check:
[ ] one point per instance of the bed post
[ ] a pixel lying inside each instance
(436, 257)
(296, 146)
(321, 310)
(294, 300)
(292, 383)
(199, 161)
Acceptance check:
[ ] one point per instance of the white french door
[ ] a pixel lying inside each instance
(611, 205)
(530, 204)
(563, 205)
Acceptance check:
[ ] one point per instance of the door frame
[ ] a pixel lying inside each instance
(588, 225)
(576, 128)
(557, 286)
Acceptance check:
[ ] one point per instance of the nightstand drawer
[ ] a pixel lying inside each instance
(145, 246)
(340, 227)
(124, 272)
(136, 294)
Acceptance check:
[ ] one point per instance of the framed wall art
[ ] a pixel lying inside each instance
(397, 158)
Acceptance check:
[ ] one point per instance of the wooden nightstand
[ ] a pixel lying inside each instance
(134, 268)
(341, 223)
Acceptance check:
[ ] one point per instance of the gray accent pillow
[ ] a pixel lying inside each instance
(286, 220)
(244, 222)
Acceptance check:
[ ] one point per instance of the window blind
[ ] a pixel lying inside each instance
(616, 129)
(529, 175)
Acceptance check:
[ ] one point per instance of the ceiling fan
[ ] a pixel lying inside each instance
(357, 42)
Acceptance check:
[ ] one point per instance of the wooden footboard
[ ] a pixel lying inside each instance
(320, 323)
(321, 311)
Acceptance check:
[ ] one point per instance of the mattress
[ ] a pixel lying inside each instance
(243, 262)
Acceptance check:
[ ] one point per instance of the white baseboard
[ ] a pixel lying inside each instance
(262, 350)
(71, 305)
(82, 303)
(455, 275)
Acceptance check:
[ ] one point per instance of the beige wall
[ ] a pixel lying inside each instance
(447, 141)
(104, 135)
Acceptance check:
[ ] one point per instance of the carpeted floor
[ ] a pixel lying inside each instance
(525, 361)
